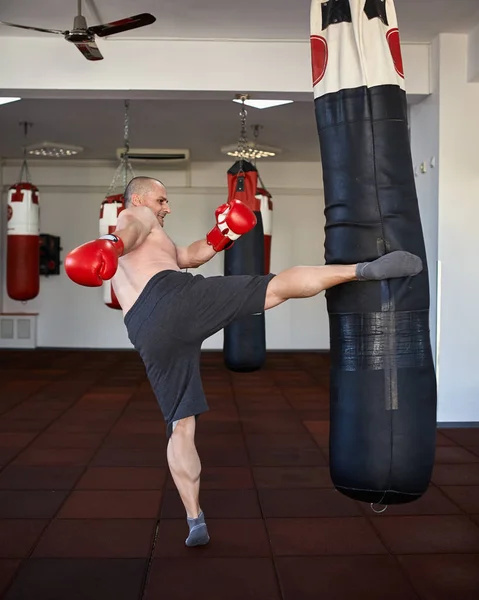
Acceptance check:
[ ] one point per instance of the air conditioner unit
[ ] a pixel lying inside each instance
(155, 156)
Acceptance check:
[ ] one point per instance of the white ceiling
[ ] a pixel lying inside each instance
(202, 125)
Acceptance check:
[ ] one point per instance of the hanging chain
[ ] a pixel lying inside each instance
(25, 171)
(243, 140)
(127, 143)
(124, 169)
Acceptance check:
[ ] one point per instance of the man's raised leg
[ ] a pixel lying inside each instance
(185, 467)
(305, 282)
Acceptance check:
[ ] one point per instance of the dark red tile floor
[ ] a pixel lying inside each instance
(88, 510)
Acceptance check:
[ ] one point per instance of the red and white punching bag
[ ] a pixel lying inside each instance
(266, 207)
(111, 207)
(23, 242)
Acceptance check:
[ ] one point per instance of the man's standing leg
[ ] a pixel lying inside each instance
(185, 467)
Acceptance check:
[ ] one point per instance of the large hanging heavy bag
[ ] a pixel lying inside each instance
(244, 347)
(383, 386)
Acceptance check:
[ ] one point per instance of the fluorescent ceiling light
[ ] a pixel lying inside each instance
(263, 103)
(52, 149)
(8, 100)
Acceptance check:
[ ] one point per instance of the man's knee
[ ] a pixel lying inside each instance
(184, 427)
(273, 295)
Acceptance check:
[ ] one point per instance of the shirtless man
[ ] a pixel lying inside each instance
(169, 313)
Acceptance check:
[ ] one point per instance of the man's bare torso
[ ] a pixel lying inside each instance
(157, 253)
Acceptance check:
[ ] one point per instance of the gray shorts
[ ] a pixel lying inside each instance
(170, 320)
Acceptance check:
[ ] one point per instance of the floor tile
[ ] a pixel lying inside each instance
(15, 440)
(442, 439)
(429, 534)
(465, 496)
(7, 455)
(30, 504)
(111, 505)
(228, 538)
(292, 477)
(65, 457)
(216, 504)
(17, 536)
(224, 578)
(122, 478)
(467, 436)
(96, 538)
(224, 478)
(343, 577)
(8, 568)
(302, 537)
(284, 450)
(474, 450)
(456, 474)
(258, 423)
(39, 478)
(444, 577)
(307, 503)
(129, 457)
(217, 450)
(454, 454)
(72, 440)
(78, 579)
(135, 440)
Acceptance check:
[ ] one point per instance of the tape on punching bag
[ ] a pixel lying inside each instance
(110, 209)
(23, 242)
(383, 387)
(244, 347)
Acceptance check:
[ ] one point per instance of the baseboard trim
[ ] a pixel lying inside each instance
(457, 425)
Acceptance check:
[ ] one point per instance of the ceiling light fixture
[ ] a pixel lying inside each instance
(263, 103)
(251, 151)
(53, 149)
(8, 100)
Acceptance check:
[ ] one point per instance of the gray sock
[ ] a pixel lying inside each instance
(389, 266)
(198, 531)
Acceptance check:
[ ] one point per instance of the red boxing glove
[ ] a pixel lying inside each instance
(94, 262)
(232, 221)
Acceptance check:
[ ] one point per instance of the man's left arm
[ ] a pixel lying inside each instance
(194, 255)
(233, 219)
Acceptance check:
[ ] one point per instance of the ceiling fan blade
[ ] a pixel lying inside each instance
(123, 24)
(89, 50)
(34, 28)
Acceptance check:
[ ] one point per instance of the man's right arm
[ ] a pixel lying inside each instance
(134, 226)
(97, 261)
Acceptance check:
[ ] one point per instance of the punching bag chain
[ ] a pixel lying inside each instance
(24, 171)
(126, 142)
(242, 141)
(124, 168)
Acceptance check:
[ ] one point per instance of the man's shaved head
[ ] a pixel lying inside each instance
(139, 185)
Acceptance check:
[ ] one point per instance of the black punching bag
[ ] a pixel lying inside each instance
(244, 346)
(383, 385)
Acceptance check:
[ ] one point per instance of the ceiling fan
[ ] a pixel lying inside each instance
(84, 37)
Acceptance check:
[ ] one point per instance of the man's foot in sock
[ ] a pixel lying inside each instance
(198, 531)
(392, 265)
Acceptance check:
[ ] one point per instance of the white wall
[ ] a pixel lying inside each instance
(74, 316)
(458, 234)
